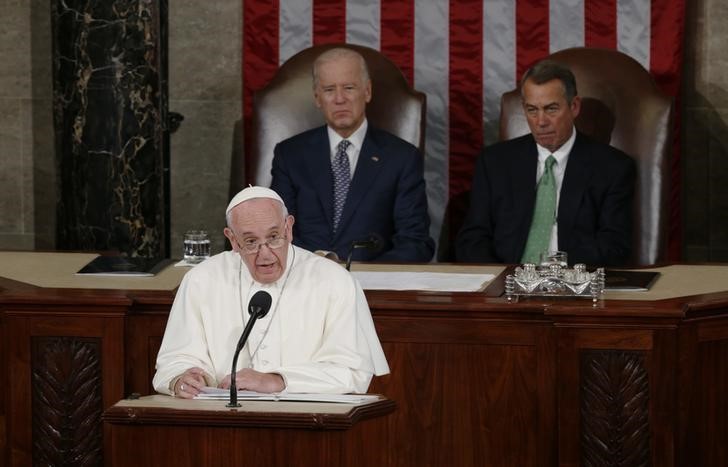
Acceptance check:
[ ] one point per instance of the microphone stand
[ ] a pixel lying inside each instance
(371, 243)
(258, 308)
(241, 343)
(354, 245)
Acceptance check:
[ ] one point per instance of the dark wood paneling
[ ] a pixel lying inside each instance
(181, 446)
(614, 406)
(3, 384)
(143, 339)
(462, 405)
(478, 381)
(66, 400)
(468, 391)
(710, 420)
(43, 347)
(163, 436)
(597, 367)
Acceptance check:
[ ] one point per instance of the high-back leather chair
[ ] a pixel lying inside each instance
(622, 106)
(286, 107)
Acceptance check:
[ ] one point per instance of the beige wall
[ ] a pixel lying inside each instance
(205, 42)
(705, 132)
(204, 86)
(27, 173)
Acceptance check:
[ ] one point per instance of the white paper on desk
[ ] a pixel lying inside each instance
(211, 393)
(433, 281)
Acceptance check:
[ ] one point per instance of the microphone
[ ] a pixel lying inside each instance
(372, 242)
(257, 308)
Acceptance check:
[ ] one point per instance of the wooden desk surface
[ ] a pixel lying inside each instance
(162, 409)
(477, 380)
(57, 270)
(157, 431)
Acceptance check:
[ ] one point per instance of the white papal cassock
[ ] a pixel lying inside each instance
(319, 334)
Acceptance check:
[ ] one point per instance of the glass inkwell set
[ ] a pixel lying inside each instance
(553, 278)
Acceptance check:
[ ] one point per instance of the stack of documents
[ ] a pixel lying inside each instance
(428, 281)
(211, 393)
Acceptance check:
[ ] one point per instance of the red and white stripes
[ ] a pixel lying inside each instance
(464, 54)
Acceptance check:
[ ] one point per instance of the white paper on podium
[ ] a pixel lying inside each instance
(429, 281)
(210, 393)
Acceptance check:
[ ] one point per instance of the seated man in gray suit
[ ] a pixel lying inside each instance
(553, 189)
(347, 181)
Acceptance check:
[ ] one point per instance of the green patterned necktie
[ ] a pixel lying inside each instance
(544, 215)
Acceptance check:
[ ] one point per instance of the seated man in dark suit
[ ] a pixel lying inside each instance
(348, 181)
(553, 189)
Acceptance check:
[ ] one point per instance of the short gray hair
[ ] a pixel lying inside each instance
(547, 70)
(336, 54)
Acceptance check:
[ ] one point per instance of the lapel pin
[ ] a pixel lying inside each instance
(375, 158)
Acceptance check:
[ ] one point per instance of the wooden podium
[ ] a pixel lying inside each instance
(161, 430)
(478, 380)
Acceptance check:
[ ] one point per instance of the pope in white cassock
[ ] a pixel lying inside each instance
(318, 336)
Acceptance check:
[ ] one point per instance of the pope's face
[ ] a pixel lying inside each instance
(342, 94)
(550, 116)
(260, 221)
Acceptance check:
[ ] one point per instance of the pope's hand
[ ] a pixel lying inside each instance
(190, 383)
(251, 380)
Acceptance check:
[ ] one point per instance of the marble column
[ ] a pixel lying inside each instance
(110, 99)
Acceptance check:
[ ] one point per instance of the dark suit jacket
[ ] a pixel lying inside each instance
(594, 213)
(386, 196)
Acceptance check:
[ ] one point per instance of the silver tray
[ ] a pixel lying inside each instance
(555, 280)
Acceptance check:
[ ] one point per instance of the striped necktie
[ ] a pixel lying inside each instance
(544, 215)
(342, 178)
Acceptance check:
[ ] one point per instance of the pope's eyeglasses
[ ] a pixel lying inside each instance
(253, 245)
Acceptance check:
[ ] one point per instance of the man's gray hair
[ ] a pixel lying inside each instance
(547, 70)
(336, 54)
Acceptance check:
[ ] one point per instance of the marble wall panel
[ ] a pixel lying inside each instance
(205, 50)
(718, 183)
(39, 134)
(716, 63)
(108, 120)
(40, 152)
(696, 193)
(14, 92)
(40, 57)
(11, 163)
(694, 53)
(200, 169)
(705, 132)
(205, 86)
(26, 208)
(15, 49)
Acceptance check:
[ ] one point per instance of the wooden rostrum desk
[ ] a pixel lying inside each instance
(161, 430)
(640, 378)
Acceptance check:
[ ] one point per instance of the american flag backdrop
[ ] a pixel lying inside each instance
(464, 54)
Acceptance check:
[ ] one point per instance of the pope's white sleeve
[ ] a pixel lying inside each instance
(343, 363)
(184, 344)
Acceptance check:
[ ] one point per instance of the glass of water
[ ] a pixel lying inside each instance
(549, 258)
(196, 246)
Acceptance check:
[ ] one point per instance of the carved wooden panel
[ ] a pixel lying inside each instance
(711, 405)
(614, 405)
(67, 403)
